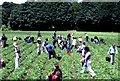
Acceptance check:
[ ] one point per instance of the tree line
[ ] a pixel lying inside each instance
(85, 16)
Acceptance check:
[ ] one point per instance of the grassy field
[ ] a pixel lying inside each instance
(38, 67)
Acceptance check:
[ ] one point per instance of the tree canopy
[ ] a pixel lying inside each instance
(85, 16)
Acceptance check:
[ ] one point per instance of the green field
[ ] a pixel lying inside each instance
(38, 67)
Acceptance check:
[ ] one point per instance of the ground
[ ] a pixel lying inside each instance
(33, 66)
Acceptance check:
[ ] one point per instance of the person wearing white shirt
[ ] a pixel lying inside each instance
(74, 42)
(39, 45)
(17, 54)
(87, 62)
(112, 51)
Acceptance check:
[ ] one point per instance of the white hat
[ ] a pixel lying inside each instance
(14, 38)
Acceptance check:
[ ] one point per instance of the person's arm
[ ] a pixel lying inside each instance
(116, 50)
(109, 50)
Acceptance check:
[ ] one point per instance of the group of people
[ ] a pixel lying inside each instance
(61, 42)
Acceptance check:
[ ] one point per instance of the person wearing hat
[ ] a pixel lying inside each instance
(17, 54)
(56, 75)
(87, 62)
(86, 37)
(112, 51)
(50, 50)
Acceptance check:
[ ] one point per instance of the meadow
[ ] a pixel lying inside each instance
(37, 67)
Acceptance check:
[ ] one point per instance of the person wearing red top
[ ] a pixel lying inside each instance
(56, 75)
(80, 39)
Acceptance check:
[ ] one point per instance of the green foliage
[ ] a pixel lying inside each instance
(5, 28)
(62, 15)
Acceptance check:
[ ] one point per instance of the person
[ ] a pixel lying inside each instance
(39, 34)
(68, 38)
(4, 40)
(64, 42)
(102, 41)
(86, 37)
(69, 50)
(72, 35)
(54, 41)
(50, 50)
(2, 62)
(54, 34)
(80, 48)
(17, 54)
(74, 42)
(80, 39)
(112, 51)
(39, 45)
(45, 42)
(96, 40)
(27, 39)
(56, 75)
(87, 62)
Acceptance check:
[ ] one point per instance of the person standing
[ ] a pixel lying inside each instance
(39, 45)
(17, 54)
(86, 37)
(80, 39)
(4, 40)
(54, 34)
(112, 51)
(87, 62)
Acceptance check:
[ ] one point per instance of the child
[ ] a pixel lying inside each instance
(69, 50)
(112, 51)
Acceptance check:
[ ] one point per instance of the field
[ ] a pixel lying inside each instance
(37, 67)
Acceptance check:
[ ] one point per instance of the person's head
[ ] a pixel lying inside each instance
(83, 43)
(87, 49)
(56, 66)
(113, 45)
(46, 39)
(50, 47)
(57, 73)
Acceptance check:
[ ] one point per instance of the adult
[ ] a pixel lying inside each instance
(17, 54)
(56, 75)
(87, 62)
(112, 51)
(86, 37)
(39, 45)
(4, 40)
(50, 50)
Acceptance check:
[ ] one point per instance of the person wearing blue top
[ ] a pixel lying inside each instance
(69, 50)
(50, 50)
(112, 51)
(55, 34)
